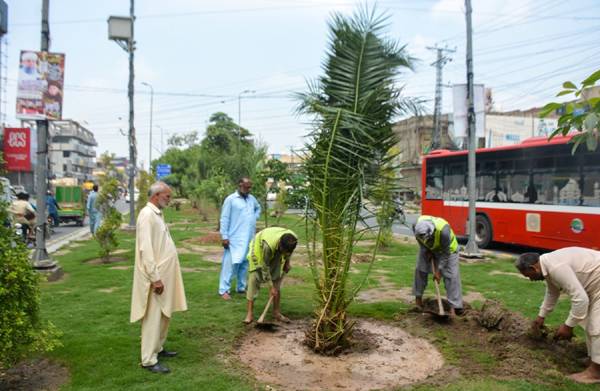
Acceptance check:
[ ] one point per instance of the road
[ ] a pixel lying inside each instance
(65, 230)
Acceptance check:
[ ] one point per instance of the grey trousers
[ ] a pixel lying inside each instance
(450, 275)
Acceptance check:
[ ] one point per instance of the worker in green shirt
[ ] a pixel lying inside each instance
(265, 254)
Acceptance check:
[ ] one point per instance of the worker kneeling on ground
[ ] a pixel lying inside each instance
(576, 272)
(438, 243)
(265, 254)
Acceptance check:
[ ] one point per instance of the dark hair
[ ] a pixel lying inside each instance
(288, 242)
(95, 187)
(243, 179)
(526, 261)
(23, 196)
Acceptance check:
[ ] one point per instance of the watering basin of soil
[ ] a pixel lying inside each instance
(386, 357)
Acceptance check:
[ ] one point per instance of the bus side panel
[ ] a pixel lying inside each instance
(528, 227)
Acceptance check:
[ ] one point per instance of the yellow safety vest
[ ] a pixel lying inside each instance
(439, 225)
(271, 236)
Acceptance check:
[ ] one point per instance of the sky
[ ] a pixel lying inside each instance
(247, 58)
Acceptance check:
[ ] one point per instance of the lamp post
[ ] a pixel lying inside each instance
(162, 148)
(240, 110)
(151, 111)
(120, 30)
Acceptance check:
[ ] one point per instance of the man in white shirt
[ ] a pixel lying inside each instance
(574, 271)
(157, 283)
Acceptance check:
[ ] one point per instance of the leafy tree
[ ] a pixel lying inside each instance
(143, 183)
(22, 331)
(184, 140)
(582, 114)
(273, 170)
(353, 104)
(111, 218)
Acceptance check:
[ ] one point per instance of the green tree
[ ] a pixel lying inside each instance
(143, 183)
(111, 218)
(353, 104)
(583, 114)
(22, 331)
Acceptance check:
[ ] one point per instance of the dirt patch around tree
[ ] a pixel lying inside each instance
(491, 343)
(387, 357)
(34, 375)
(100, 261)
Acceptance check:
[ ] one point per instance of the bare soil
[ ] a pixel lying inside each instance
(100, 261)
(34, 375)
(492, 343)
(388, 357)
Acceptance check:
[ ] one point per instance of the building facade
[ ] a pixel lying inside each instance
(72, 152)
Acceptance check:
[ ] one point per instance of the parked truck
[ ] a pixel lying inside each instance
(70, 199)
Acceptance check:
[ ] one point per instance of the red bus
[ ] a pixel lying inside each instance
(535, 193)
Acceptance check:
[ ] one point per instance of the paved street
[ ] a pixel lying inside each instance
(66, 230)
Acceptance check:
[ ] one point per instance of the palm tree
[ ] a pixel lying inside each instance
(352, 104)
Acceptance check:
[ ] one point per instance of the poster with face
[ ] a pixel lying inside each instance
(40, 85)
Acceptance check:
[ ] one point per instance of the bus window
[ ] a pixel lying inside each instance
(513, 180)
(455, 187)
(434, 181)
(591, 180)
(560, 184)
(486, 182)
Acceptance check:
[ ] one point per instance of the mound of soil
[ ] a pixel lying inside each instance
(213, 238)
(34, 375)
(100, 261)
(386, 356)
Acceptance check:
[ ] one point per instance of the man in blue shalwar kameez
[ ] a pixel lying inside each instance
(92, 211)
(238, 225)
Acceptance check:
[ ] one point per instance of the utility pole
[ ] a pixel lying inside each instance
(40, 258)
(132, 149)
(471, 250)
(150, 141)
(442, 59)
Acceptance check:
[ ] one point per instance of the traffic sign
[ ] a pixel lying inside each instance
(162, 170)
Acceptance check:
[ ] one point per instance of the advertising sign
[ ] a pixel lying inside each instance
(460, 109)
(17, 145)
(40, 85)
(163, 170)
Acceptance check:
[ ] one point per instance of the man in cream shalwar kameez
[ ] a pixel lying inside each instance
(157, 283)
(574, 271)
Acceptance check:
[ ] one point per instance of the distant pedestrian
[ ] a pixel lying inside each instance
(437, 243)
(157, 283)
(238, 226)
(53, 208)
(92, 210)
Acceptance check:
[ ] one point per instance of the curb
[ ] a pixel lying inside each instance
(81, 233)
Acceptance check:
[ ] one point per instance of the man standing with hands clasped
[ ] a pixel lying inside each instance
(238, 225)
(157, 283)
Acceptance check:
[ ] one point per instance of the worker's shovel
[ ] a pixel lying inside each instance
(260, 323)
(441, 313)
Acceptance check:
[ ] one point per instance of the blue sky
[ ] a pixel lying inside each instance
(199, 55)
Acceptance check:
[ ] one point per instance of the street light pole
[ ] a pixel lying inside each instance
(40, 258)
(471, 248)
(120, 29)
(150, 140)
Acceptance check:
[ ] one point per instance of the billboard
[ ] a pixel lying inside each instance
(40, 85)
(459, 92)
(17, 147)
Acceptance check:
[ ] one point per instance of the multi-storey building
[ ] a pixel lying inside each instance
(72, 151)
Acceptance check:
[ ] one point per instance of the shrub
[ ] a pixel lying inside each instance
(21, 330)
(111, 218)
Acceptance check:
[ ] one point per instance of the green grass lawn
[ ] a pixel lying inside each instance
(101, 348)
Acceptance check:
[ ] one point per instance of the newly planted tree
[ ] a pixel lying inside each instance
(353, 104)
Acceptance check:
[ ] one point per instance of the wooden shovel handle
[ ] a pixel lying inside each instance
(437, 290)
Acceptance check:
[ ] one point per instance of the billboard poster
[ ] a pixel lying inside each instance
(459, 93)
(17, 147)
(40, 85)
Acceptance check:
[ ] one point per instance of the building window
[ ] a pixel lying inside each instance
(66, 153)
